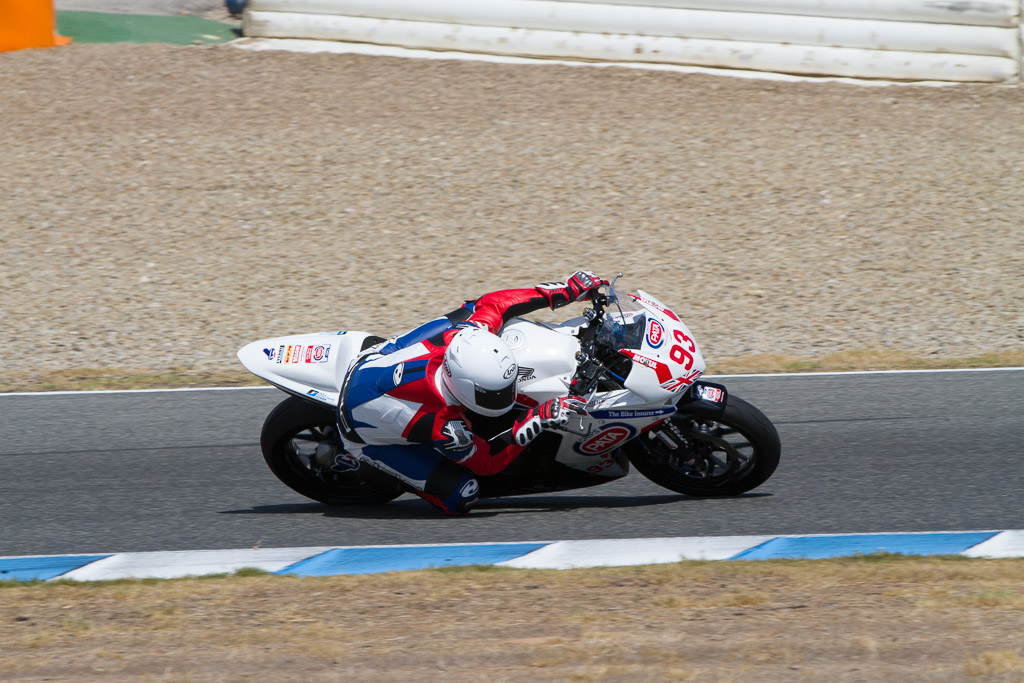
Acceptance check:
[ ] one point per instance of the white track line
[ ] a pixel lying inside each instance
(128, 391)
(866, 372)
(772, 374)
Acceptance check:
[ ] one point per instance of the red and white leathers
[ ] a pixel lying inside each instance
(396, 412)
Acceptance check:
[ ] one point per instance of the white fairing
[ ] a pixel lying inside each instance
(668, 360)
(546, 356)
(308, 365)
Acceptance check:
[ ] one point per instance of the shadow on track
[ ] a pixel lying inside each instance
(414, 508)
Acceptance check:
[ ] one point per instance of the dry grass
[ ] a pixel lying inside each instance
(94, 379)
(866, 359)
(855, 619)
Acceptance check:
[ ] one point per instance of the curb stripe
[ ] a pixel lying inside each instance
(42, 568)
(820, 547)
(376, 560)
(333, 560)
(175, 564)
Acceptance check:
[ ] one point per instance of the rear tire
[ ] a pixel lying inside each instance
(291, 435)
(724, 455)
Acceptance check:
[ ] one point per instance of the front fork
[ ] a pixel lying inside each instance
(704, 400)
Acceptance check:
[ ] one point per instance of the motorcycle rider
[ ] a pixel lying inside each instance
(408, 405)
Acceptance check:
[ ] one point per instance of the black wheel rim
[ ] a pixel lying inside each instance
(302, 459)
(708, 454)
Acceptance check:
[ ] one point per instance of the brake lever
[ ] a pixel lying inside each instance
(580, 432)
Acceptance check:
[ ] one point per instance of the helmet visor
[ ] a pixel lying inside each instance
(495, 399)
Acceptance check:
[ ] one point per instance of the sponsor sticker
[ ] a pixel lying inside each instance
(280, 353)
(297, 353)
(630, 414)
(514, 338)
(309, 354)
(655, 334)
(713, 394)
(512, 369)
(656, 306)
(320, 353)
(526, 374)
(345, 462)
(270, 353)
(321, 396)
(611, 436)
(662, 370)
(470, 489)
(288, 354)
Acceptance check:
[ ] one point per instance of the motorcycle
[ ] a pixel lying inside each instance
(632, 359)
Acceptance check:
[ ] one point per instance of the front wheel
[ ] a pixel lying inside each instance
(726, 455)
(300, 444)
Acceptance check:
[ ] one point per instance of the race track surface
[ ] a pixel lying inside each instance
(123, 472)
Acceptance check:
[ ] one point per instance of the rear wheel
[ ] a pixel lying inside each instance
(300, 444)
(725, 455)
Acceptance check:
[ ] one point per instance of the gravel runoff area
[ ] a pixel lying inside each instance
(161, 206)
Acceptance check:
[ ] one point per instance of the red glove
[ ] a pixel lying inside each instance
(579, 284)
(551, 414)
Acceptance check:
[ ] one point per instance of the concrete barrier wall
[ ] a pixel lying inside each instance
(956, 41)
(983, 13)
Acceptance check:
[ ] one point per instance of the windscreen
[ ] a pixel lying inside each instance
(625, 323)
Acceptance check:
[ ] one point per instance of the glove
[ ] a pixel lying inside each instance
(551, 414)
(579, 284)
(582, 282)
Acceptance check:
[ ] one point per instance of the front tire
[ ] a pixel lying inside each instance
(724, 455)
(291, 437)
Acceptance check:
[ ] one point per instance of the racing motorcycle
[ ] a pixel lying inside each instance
(632, 359)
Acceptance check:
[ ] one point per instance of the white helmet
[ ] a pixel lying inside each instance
(480, 372)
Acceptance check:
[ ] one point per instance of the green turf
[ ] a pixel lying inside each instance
(100, 27)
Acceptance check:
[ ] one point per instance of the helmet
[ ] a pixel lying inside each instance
(480, 372)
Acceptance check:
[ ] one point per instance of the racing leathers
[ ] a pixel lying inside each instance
(397, 414)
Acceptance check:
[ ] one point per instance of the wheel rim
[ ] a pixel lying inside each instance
(302, 448)
(310, 452)
(708, 453)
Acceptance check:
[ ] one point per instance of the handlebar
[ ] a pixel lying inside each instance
(589, 370)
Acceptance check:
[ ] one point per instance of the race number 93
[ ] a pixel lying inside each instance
(679, 354)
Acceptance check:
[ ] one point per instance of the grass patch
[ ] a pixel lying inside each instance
(995, 663)
(882, 615)
(860, 360)
(251, 571)
(95, 379)
(472, 569)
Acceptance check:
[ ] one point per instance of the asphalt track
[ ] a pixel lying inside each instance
(124, 472)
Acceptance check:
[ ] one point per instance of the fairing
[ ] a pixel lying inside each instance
(312, 366)
(546, 357)
(667, 360)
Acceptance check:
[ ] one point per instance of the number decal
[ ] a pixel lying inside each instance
(603, 465)
(681, 356)
(683, 339)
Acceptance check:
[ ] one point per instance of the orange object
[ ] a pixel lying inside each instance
(28, 23)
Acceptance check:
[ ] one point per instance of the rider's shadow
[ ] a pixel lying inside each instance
(414, 508)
